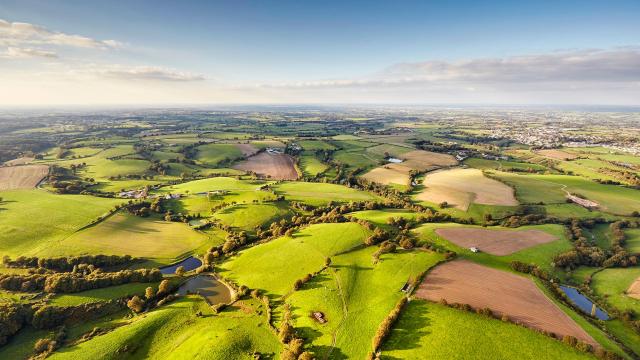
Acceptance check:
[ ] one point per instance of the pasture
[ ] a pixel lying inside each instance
(618, 287)
(248, 217)
(274, 266)
(462, 187)
(355, 295)
(318, 194)
(213, 155)
(176, 331)
(272, 166)
(311, 166)
(22, 177)
(432, 331)
(32, 221)
(123, 234)
(464, 282)
(556, 154)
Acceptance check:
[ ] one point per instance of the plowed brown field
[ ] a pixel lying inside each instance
(495, 242)
(274, 166)
(465, 282)
(22, 177)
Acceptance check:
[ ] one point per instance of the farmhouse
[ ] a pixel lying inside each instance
(474, 249)
(319, 317)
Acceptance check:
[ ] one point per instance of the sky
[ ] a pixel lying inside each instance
(55, 52)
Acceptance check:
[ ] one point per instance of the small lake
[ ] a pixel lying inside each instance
(189, 264)
(583, 302)
(207, 286)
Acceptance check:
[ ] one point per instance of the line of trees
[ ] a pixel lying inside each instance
(68, 263)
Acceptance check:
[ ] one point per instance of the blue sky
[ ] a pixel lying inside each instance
(296, 51)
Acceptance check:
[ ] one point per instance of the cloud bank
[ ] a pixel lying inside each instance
(20, 33)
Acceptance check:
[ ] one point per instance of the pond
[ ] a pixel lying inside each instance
(583, 302)
(207, 286)
(189, 263)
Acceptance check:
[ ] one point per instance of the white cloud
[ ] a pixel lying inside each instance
(19, 33)
(22, 53)
(137, 73)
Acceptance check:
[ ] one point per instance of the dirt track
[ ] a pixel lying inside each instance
(274, 166)
(464, 282)
(495, 242)
(22, 177)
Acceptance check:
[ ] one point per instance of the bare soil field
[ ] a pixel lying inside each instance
(464, 282)
(495, 242)
(461, 187)
(274, 166)
(22, 177)
(634, 289)
(247, 149)
(19, 161)
(557, 154)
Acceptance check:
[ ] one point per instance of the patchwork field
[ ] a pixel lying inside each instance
(398, 173)
(273, 166)
(461, 187)
(462, 281)
(426, 160)
(432, 331)
(124, 234)
(22, 177)
(495, 242)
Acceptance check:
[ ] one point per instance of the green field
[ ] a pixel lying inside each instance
(531, 189)
(104, 294)
(611, 285)
(355, 295)
(248, 217)
(213, 154)
(32, 221)
(433, 331)
(312, 145)
(260, 267)
(311, 166)
(176, 332)
(123, 234)
(632, 241)
(380, 217)
(485, 164)
(321, 193)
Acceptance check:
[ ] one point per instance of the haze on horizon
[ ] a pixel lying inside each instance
(266, 52)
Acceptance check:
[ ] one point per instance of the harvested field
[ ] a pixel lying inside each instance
(495, 242)
(22, 177)
(247, 149)
(465, 282)
(634, 289)
(19, 161)
(426, 160)
(274, 166)
(388, 174)
(557, 154)
(398, 173)
(461, 187)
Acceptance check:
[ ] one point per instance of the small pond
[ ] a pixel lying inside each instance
(583, 302)
(189, 264)
(207, 286)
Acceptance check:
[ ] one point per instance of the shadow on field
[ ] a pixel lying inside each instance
(408, 332)
(317, 281)
(328, 352)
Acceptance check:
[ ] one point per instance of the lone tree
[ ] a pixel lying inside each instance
(164, 287)
(136, 304)
(148, 293)
(180, 271)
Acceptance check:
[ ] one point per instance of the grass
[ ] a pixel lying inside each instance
(433, 331)
(311, 166)
(248, 217)
(212, 184)
(380, 217)
(312, 145)
(274, 266)
(214, 154)
(104, 294)
(355, 295)
(549, 189)
(611, 284)
(541, 255)
(321, 193)
(176, 332)
(34, 220)
(124, 234)
(632, 241)
(485, 164)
